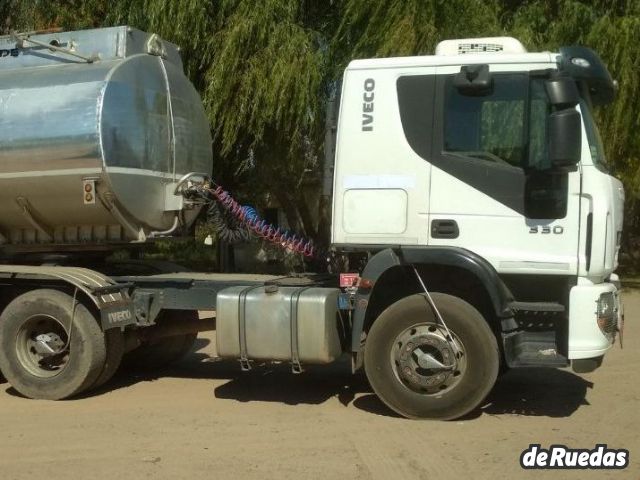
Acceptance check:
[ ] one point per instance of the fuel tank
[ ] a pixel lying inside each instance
(97, 128)
(297, 324)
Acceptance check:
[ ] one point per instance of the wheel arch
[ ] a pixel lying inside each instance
(450, 270)
(99, 293)
(20, 287)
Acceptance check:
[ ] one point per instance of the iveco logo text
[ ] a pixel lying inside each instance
(117, 317)
(367, 105)
(13, 52)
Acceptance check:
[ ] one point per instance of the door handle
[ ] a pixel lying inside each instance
(444, 228)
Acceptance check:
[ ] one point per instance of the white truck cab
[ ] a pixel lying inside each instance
(456, 150)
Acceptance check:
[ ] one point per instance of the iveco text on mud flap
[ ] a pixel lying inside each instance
(117, 316)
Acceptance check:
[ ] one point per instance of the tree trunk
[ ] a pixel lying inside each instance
(288, 205)
(324, 221)
(308, 222)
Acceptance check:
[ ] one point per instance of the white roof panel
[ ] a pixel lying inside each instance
(443, 60)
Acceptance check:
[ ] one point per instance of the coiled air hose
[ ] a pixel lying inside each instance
(235, 222)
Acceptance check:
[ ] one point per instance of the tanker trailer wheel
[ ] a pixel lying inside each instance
(420, 371)
(115, 351)
(162, 352)
(42, 354)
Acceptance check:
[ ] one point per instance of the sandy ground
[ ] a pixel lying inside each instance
(204, 419)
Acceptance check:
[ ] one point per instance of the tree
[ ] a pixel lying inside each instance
(408, 27)
(13, 13)
(264, 94)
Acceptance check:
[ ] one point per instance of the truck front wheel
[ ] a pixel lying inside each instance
(51, 347)
(420, 369)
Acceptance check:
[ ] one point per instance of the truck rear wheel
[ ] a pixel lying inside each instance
(420, 371)
(42, 354)
(115, 351)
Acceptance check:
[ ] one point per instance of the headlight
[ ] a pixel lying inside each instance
(606, 305)
(607, 313)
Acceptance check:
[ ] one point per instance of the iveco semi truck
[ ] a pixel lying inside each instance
(472, 206)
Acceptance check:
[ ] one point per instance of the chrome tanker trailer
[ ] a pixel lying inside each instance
(97, 129)
(470, 198)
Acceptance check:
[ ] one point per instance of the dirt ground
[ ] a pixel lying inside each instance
(204, 419)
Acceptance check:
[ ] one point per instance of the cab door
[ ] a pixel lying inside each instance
(492, 189)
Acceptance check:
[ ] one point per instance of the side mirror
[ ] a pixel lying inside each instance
(473, 80)
(565, 138)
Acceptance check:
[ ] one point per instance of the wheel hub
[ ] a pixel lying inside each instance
(427, 360)
(41, 346)
(48, 344)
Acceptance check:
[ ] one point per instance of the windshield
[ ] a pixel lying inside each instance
(593, 135)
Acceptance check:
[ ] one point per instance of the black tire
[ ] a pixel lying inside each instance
(115, 351)
(164, 351)
(473, 336)
(87, 350)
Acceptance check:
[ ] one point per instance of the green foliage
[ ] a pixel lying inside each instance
(14, 14)
(410, 27)
(267, 73)
(618, 39)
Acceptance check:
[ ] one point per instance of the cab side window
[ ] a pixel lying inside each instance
(508, 126)
(539, 110)
(489, 128)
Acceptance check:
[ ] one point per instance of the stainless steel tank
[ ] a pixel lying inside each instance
(287, 323)
(97, 127)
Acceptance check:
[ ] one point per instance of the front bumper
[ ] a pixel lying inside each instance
(586, 338)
